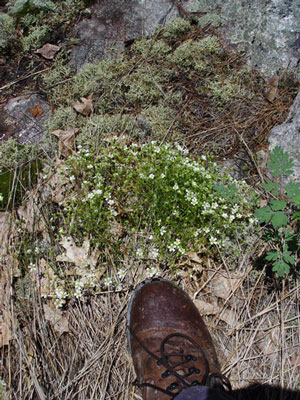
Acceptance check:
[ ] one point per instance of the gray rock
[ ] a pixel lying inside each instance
(287, 136)
(268, 30)
(114, 22)
(27, 115)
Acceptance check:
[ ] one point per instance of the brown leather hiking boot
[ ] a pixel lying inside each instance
(169, 342)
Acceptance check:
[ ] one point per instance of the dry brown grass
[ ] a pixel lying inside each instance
(260, 340)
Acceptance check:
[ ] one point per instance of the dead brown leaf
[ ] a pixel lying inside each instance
(272, 89)
(116, 229)
(30, 213)
(192, 256)
(78, 255)
(48, 51)
(37, 111)
(85, 107)
(228, 316)
(57, 319)
(66, 142)
(222, 286)
(206, 308)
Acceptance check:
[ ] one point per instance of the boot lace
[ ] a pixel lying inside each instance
(212, 380)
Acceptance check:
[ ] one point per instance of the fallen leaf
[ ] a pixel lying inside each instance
(194, 257)
(269, 344)
(37, 111)
(31, 215)
(228, 316)
(85, 107)
(48, 51)
(66, 142)
(116, 229)
(272, 89)
(57, 319)
(78, 255)
(205, 308)
(222, 286)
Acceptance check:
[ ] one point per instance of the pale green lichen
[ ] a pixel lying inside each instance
(192, 54)
(210, 19)
(144, 86)
(7, 30)
(63, 117)
(35, 38)
(14, 155)
(151, 48)
(177, 27)
(99, 127)
(163, 122)
(224, 90)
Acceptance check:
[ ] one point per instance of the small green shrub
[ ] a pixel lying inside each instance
(168, 194)
(281, 216)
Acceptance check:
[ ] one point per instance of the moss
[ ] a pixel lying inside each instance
(177, 27)
(35, 38)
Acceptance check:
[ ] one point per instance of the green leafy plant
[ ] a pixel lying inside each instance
(281, 215)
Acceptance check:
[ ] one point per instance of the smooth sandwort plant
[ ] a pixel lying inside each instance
(155, 201)
(282, 214)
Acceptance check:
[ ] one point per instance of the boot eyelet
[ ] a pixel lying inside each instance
(158, 362)
(172, 387)
(166, 374)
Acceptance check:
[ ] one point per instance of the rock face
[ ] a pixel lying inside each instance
(269, 30)
(114, 22)
(287, 136)
(27, 116)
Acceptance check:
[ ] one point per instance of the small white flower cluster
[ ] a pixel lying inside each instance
(176, 245)
(181, 149)
(79, 285)
(139, 253)
(191, 197)
(110, 202)
(93, 194)
(121, 273)
(154, 253)
(163, 230)
(60, 296)
(32, 267)
(108, 281)
(151, 271)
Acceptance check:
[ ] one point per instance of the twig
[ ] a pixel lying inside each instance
(23, 78)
